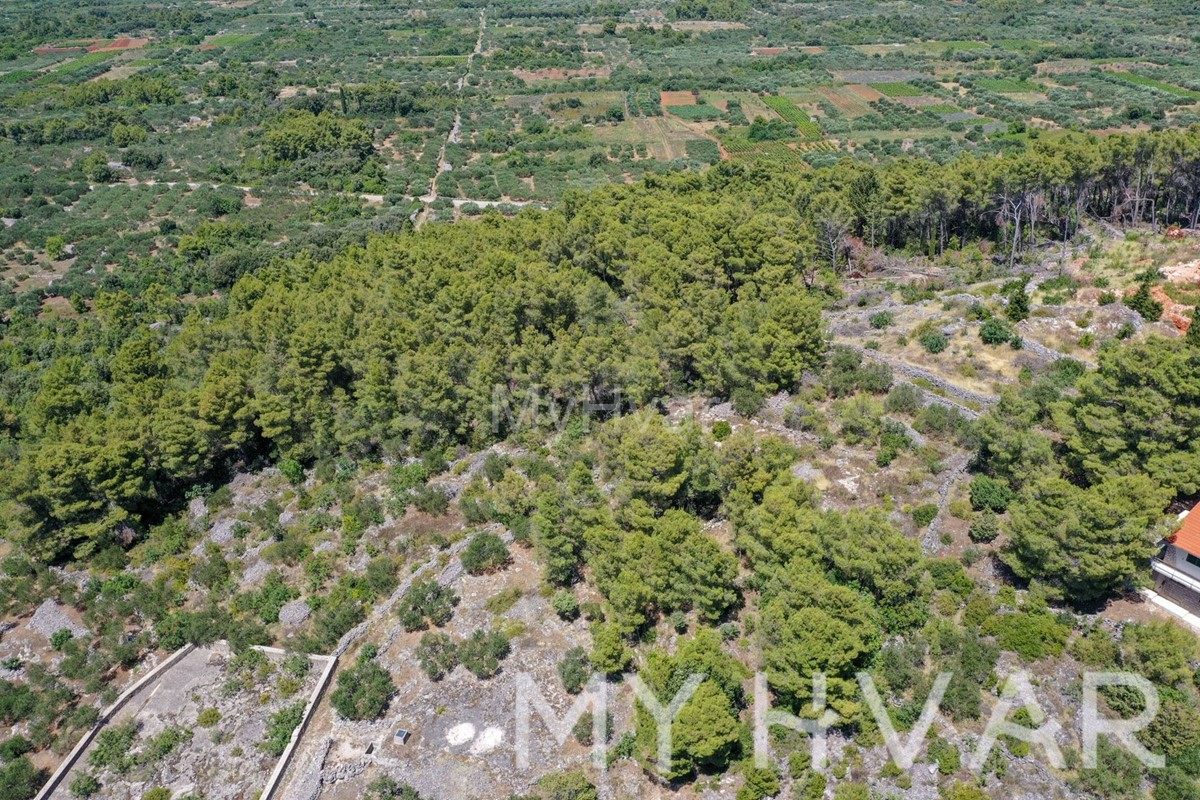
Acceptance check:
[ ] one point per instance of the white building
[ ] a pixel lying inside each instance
(1177, 566)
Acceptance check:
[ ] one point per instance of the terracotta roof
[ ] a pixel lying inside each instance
(1187, 538)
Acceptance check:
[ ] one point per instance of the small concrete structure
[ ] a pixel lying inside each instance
(401, 736)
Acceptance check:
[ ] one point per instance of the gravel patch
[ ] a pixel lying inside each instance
(50, 618)
(294, 614)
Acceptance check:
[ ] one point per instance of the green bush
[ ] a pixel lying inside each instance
(437, 654)
(760, 783)
(292, 470)
(995, 331)
(721, 430)
(945, 755)
(84, 785)
(746, 401)
(904, 398)
(482, 652)
(386, 788)
(1144, 303)
(574, 670)
(984, 528)
(882, 319)
(208, 718)
(364, 690)
(1031, 635)
(924, 514)
(933, 342)
(20, 779)
(486, 552)
(426, 602)
(430, 500)
(991, 494)
(573, 785)
(565, 604)
(279, 729)
(112, 746)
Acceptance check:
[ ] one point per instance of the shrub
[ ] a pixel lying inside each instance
(882, 319)
(1175, 784)
(721, 430)
(437, 654)
(609, 653)
(945, 755)
(293, 470)
(904, 398)
(924, 514)
(482, 652)
(995, 331)
(386, 788)
(426, 602)
(364, 690)
(990, 493)
(573, 785)
(933, 342)
(1032, 636)
(165, 742)
(565, 604)
(20, 779)
(746, 401)
(1160, 650)
(157, 793)
(574, 669)
(984, 528)
(584, 729)
(851, 791)
(1142, 302)
(56, 247)
(430, 500)
(208, 717)
(279, 729)
(1117, 776)
(15, 747)
(760, 783)
(486, 552)
(84, 785)
(112, 747)
(60, 638)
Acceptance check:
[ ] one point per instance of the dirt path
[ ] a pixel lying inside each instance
(455, 134)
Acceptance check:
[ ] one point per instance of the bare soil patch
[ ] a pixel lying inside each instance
(535, 75)
(677, 98)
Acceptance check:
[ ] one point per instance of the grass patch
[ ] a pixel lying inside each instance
(901, 89)
(1007, 85)
(232, 39)
(1151, 83)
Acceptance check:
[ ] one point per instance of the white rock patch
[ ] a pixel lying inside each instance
(460, 734)
(487, 741)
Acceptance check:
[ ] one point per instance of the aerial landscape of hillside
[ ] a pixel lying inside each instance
(722, 399)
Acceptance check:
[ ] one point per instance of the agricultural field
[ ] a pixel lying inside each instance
(497, 106)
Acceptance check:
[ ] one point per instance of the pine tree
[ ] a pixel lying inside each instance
(1018, 304)
(1142, 302)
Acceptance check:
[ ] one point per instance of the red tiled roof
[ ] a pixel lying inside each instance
(1188, 537)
